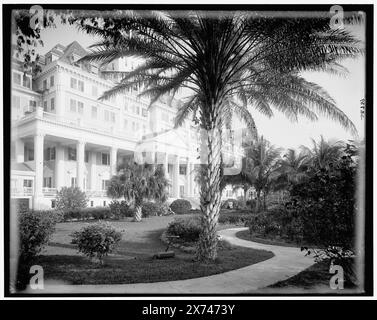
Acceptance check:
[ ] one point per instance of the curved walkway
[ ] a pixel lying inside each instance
(286, 263)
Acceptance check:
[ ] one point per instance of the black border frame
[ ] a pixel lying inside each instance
(367, 8)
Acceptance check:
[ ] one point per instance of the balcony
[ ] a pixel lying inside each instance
(75, 123)
(49, 191)
(96, 193)
(24, 191)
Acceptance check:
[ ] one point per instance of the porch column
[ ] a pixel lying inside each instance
(93, 171)
(59, 167)
(19, 150)
(165, 165)
(176, 178)
(80, 156)
(38, 159)
(188, 179)
(113, 161)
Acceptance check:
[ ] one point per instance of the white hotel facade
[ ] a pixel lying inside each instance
(62, 135)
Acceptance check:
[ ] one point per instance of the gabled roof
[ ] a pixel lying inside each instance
(19, 166)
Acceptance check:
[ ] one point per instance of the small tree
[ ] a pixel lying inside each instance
(71, 198)
(138, 183)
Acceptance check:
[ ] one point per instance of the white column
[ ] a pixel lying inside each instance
(113, 161)
(59, 167)
(59, 100)
(80, 155)
(93, 171)
(176, 178)
(38, 159)
(165, 165)
(188, 179)
(19, 150)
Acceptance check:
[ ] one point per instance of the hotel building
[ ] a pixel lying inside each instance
(62, 135)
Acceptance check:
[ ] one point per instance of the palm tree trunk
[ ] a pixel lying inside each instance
(259, 202)
(210, 194)
(138, 213)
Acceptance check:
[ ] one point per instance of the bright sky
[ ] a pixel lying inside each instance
(347, 92)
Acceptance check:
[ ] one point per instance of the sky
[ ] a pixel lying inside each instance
(346, 91)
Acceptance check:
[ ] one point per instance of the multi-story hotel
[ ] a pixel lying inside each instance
(62, 135)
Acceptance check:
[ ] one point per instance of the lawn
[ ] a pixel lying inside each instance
(245, 235)
(132, 261)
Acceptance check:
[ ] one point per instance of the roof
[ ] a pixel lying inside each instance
(19, 166)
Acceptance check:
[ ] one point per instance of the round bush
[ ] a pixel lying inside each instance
(120, 209)
(180, 206)
(97, 240)
(69, 198)
(187, 229)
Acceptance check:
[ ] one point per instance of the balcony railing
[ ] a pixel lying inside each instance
(96, 193)
(49, 191)
(24, 191)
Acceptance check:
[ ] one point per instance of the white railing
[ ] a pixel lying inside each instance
(24, 191)
(49, 191)
(96, 193)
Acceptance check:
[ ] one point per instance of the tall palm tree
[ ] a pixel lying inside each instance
(230, 63)
(137, 183)
(323, 153)
(293, 167)
(262, 165)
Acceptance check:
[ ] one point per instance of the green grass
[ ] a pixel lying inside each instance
(245, 235)
(132, 261)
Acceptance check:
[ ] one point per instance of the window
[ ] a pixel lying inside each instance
(86, 156)
(28, 183)
(29, 154)
(26, 81)
(51, 81)
(73, 182)
(80, 106)
(105, 159)
(72, 105)
(47, 182)
(181, 191)
(49, 154)
(71, 154)
(112, 116)
(105, 185)
(44, 85)
(32, 105)
(106, 115)
(45, 105)
(144, 112)
(16, 78)
(94, 112)
(52, 104)
(81, 86)
(104, 203)
(73, 83)
(94, 91)
(53, 203)
(182, 169)
(92, 203)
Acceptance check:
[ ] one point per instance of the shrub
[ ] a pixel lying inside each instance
(238, 218)
(97, 240)
(120, 209)
(155, 209)
(97, 213)
(35, 230)
(233, 204)
(71, 198)
(187, 229)
(180, 206)
(264, 224)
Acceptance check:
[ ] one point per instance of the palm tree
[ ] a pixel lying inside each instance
(293, 167)
(229, 63)
(137, 183)
(262, 165)
(324, 153)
